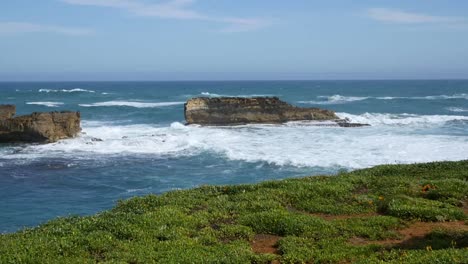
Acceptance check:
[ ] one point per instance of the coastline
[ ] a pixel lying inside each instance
(388, 213)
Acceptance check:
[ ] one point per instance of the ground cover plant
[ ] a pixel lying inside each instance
(386, 214)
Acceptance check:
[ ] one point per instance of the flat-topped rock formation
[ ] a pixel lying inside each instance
(37, 127)
(239, 110)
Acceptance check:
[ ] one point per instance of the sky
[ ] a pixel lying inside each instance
(232, 40)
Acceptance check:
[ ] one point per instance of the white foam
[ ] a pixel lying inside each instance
(210, 94)
(335, 99)
(138, 190)
(48, 104)
(341, 99)
(429, 97)
(294, 144)
(437, 97)
(75, 90)
(378, 119)
(132, 104)
(457, 109)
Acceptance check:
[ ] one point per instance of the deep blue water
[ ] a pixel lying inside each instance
(145, 147)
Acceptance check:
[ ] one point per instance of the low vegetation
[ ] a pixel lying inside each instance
(386, 214)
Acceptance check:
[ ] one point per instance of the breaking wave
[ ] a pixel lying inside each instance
(48, 104)
(341, 99)
(291, 144)
(132, 104)
(76, 90)
(457, 109)
(377, 119)
(335, 99)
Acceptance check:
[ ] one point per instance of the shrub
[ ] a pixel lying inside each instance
(423, 209)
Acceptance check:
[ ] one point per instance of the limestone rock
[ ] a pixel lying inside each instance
(7, 111)
(40, 127)
(239, 110)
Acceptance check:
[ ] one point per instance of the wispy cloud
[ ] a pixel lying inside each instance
(175, 9)
(402, 17)
(7, 28)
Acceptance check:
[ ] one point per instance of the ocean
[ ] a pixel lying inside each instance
(134, 141)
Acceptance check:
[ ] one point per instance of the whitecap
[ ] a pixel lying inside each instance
(457, 109)
(335, 99)
(132, 104)
(138, 190)
(429, 97)
(454, 96)
(48, 104)
(376, 119)
(210, 94)
(75, 90)
(342, 99)
(291, 144)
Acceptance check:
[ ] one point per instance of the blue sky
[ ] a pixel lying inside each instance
(232, 40)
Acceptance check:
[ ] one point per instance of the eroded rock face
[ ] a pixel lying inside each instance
(40, 127)
(7, 111)
(237, 110)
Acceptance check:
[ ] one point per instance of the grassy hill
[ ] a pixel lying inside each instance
(392, 213)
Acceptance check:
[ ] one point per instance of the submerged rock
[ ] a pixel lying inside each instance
(38, 127)
(347, 123)
(239, 110)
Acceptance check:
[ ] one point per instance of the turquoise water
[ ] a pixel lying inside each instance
(145, 147)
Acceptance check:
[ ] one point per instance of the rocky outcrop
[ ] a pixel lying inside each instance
(39, 127)
(7, 111)
(237, 110)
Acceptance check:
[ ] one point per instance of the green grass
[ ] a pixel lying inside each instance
(216, 224)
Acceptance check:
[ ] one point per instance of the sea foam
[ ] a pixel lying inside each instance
(291, 144)
(335, 99)
(457, 109)
(75, 90)
(48, 104)
(342, 99)
(132, 104)
(379, 119)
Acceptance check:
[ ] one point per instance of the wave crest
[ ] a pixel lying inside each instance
(132, 104)
(48, 104)
(457, 109)
(290, 144)
(377, 119)
(75, 90)
(335, 99)
(342, 99)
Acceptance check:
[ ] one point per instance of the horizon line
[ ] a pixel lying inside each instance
(244, 80)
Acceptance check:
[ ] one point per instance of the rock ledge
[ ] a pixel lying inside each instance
(37, 127)
(240, 110)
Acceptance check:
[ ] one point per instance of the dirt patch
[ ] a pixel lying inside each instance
(413, 233)
(263, 243)
(465, 207)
